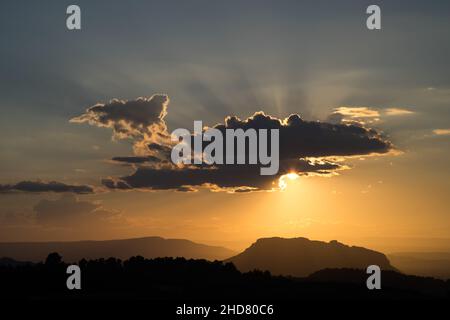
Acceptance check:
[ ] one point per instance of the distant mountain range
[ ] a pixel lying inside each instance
(436, 264)
(148, 247)
(298, 257)
(301, 257)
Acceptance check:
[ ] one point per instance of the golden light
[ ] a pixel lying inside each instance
(282, 182)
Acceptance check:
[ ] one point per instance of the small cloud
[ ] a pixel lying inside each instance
(141, 120)
(441, 132)
(40, 186)
(398, 112)
(186, 189)
(357, 112)
(136, 159)
(365, 115)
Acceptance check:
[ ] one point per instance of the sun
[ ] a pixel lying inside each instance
(282, 181)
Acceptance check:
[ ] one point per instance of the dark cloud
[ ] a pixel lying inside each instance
(300, 138)
(236, 178)
(158, 154)
(68, 211)
(160, 150)
(136, 159)
(39, 186)
(301, 144)
(186, 189)
(138, 118)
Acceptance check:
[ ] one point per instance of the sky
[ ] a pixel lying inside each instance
(63, 167)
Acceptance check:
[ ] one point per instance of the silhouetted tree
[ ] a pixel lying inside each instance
(53, 259)
(181, 279)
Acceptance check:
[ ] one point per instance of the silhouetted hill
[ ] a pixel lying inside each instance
(13, 263)
(149, 247)
(435, 264)
(300, 256)
(393, 280)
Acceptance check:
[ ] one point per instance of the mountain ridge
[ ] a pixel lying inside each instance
(301, 257)
(149, 247)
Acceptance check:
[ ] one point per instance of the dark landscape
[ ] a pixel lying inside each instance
(272, 269)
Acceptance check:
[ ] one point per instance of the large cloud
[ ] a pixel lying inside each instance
(306, 147)
(300, 138)
(40, 186)
(224, 177)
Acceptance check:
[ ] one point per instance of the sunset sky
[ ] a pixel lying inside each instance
(207, 60)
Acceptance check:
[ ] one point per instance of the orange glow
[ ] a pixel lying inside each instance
(282, 183)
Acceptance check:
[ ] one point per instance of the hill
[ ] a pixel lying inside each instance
(148, 247)
(300, 257)
(392, 282)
